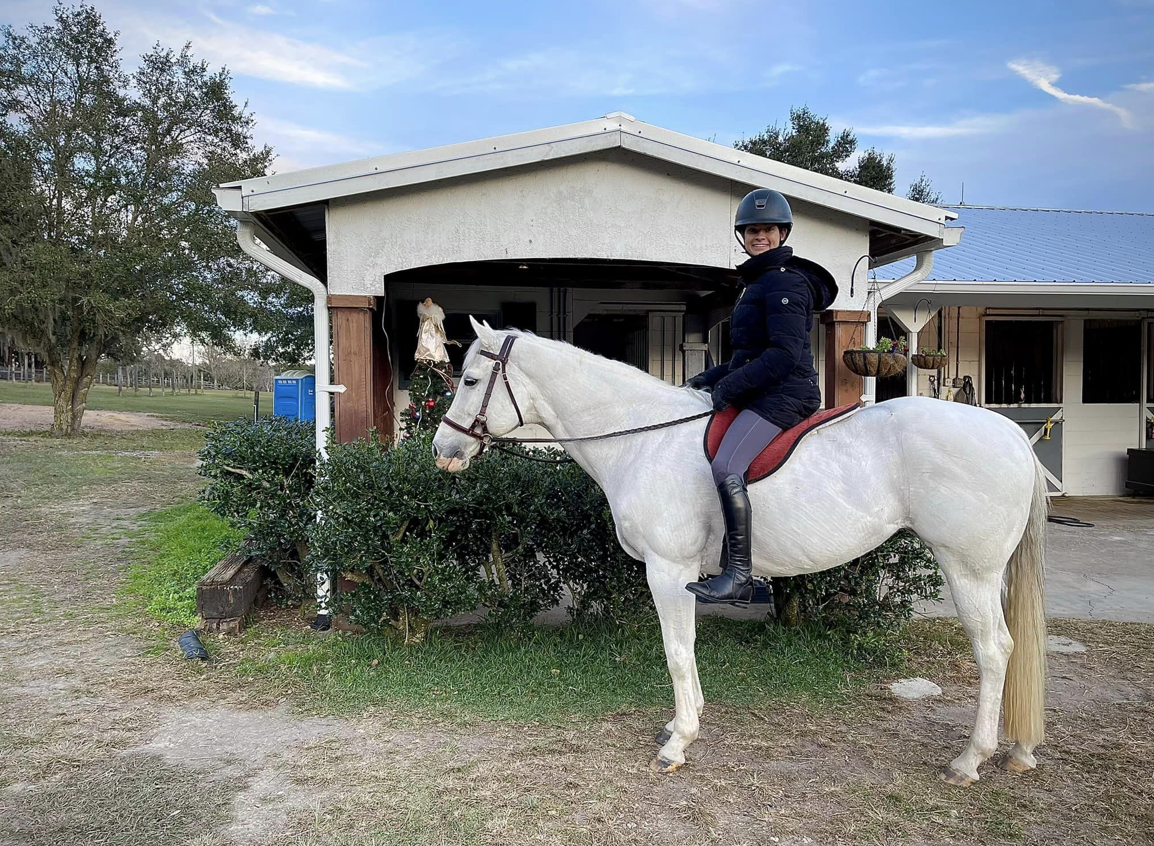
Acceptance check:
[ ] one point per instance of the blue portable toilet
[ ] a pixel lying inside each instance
(294, 395)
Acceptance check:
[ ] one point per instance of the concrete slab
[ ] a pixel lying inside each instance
(1064, 645)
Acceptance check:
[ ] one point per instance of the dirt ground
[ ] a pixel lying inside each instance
(38, 418)
(106, 739)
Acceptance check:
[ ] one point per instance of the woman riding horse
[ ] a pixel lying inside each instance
(770, 377)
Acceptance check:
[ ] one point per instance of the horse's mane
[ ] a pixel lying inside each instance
(618, 367)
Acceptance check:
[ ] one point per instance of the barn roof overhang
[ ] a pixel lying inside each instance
(291, 206)
(574, 273)
(1049, 296)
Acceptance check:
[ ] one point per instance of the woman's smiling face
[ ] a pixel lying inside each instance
(760, 238)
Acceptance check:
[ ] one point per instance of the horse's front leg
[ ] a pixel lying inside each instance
(675, 608)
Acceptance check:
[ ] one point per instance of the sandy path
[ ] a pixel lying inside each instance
(15, 416)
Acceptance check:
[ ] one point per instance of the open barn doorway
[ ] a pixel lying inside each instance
(622, 337)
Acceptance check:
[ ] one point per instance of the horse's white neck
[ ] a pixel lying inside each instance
(576, 394)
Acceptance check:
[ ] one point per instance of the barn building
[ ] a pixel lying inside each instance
(612, 234)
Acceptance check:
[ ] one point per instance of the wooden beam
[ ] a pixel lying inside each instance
(352, 301)
(353, 368)
(843, 330)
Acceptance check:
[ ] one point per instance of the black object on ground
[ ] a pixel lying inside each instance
(193, 648)
(322, 623)
(1072, 522)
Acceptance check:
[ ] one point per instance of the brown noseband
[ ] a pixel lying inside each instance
(479, 428)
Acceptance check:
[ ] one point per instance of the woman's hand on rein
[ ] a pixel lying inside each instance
(698, 383)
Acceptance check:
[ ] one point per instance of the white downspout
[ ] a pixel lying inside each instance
(922, 267)
(246, 238)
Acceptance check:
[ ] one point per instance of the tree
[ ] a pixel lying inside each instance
(805, 143)
(808, 142)
(922, 191)
(110, 233)
(874, 169)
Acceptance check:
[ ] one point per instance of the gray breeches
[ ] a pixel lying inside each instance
(744, 440)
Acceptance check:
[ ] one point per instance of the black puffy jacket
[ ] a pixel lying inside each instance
(771, 372)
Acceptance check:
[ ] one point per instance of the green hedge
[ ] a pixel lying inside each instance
(511, 535)
(508, 535)
(260, 478)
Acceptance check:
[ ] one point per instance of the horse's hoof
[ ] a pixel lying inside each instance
(660, 765)
(951, 776)
(662, 737)
(1013, 765)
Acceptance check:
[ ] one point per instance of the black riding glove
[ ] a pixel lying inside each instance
(698, 382)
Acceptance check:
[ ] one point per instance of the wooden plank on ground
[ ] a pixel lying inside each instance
(228, 590)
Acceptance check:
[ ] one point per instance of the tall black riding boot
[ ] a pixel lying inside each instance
(735, 584)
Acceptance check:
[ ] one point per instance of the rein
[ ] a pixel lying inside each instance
(479, 429)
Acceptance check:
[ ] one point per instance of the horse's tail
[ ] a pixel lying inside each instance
(1025, 688)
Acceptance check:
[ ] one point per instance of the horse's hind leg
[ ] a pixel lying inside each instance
(675, 608)
(978, 601)
(663, 736)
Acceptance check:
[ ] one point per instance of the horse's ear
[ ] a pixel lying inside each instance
(484, 333)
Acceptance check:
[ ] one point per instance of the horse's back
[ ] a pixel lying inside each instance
(942, 469)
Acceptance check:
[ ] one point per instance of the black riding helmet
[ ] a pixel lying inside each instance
(763, 206)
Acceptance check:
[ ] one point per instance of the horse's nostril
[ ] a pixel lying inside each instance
(436, 452)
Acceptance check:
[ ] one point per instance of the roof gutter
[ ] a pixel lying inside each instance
(922, 267)
(246, 238)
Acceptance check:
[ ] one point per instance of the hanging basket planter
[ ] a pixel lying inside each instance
(923, 361)
(874, 362)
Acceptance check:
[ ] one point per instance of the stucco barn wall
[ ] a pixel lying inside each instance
(611, 205)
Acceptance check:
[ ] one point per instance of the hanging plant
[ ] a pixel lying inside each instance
(886, 358)
(929, 359)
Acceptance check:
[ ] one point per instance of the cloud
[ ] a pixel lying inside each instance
(589, 71)
(261, 9)
(250, 51)
(779, 70)
(299, 146)
(967, 126)
(1141, 86)
(1043, 77)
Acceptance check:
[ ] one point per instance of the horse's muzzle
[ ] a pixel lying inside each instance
(452, 459)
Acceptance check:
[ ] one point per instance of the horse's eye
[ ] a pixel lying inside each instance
(470, 381)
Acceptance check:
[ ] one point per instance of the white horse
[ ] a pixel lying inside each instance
(964, 479)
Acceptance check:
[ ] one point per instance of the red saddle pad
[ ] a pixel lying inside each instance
(775, 455)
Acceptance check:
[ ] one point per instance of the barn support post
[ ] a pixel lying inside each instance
(923, 264)
(361, 364)
(844, 329)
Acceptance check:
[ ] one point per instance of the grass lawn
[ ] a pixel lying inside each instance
(580, 669)
(189, 408)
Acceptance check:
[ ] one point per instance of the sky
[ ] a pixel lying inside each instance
(1036, 104)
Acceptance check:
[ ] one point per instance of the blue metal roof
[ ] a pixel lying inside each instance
(1043, 245)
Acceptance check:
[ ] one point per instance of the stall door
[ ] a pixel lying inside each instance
(666, 332)
(1047, 444)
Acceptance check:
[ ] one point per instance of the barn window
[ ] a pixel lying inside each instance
(1022, 362)
(1111, 361)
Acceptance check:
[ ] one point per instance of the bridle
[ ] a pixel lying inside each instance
(479, 428)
